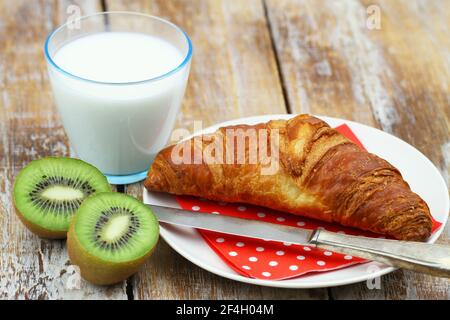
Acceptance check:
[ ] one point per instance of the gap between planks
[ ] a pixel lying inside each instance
(277, 59)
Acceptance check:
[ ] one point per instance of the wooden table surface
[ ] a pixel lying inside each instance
(251, 57)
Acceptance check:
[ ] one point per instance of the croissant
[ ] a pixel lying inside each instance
(321, 174)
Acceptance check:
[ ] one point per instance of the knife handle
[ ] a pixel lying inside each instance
(422, 257)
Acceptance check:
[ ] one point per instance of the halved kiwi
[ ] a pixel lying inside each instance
(111, 236)
(48, 191)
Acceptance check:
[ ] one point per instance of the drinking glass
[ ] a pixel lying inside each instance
(119, 127)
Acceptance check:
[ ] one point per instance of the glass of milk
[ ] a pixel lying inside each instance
(118, 79)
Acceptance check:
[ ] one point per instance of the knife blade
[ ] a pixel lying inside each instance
(231, 225)
(428, 258)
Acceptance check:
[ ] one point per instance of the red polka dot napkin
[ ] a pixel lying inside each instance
(262, 259)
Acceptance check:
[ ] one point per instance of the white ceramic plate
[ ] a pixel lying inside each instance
(417, 170)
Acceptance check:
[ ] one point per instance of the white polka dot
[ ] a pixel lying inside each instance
(307, 248)
(215, 212)
(242, 208)
(300, 257)
(195, 208)
(261, 214)
(287, 244)
(273, 263)
(246, 267)
(348, 257)
(266, 274)
(341, 232)
(293, 267)
(220, 240)
(280, 253)
(232, 253)
(253, 259)
(281, 219)
(240, 244)
(321, 263)
(301, 224)
(328, 253)
(266, 239)
(259, 249)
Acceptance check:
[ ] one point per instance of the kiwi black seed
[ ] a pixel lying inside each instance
(48, 191)
(111, 236)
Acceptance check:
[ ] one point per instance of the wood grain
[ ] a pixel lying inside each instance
(416, 49)
(32, 268)
(395, 78)
(324, 58)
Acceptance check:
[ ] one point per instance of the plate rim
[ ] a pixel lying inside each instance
(298, 285)
(273, 283)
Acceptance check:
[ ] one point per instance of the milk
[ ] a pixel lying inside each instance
(120, 127)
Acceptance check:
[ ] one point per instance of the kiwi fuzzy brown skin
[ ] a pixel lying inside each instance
(40, 232)
(98, 271)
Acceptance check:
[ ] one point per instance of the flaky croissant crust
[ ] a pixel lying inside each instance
(322, 175)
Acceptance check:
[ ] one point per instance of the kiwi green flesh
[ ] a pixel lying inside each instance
(48, 191)
(114, 227)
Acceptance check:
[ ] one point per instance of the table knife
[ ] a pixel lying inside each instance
(422, 257)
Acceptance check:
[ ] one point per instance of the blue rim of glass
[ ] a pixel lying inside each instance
(167, 74)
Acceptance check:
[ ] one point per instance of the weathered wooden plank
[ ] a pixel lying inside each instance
(332, 63)
(396, 78)
(324, 58)
(31, 268)
(416, 48)
(399, 285)
(234, 74)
